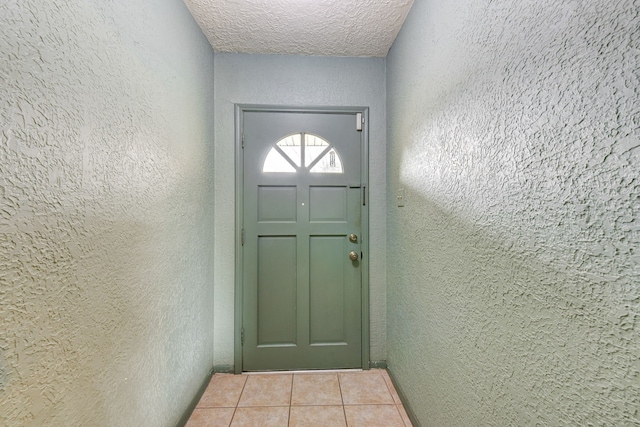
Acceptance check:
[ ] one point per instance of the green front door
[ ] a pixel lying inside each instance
(302, 242)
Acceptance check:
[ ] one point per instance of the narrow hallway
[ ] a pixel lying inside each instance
(501, 179)
(323, 398)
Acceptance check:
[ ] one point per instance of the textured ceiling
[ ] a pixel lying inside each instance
(301, 27)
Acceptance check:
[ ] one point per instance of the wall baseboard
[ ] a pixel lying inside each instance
(378, 364)
(194, 402)
(403, 398)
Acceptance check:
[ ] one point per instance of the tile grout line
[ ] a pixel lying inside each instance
(235, 410)
(344, 411)
(290, 400)
(401, 417)
(392, 397)
(389, 389)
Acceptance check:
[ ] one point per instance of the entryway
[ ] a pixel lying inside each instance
(302, 214)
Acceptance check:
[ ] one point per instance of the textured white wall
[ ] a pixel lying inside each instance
(514, 269)
(106, 203)
(295, 81)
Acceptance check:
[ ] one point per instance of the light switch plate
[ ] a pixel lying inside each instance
(400, 197)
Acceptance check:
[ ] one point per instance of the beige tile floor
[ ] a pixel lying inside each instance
(307, 399)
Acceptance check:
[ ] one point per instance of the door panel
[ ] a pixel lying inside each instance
(327, 204)
(327, 290)
(277, 203)
(277, 290)
(302, 200)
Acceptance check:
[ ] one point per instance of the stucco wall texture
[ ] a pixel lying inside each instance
(328, 27)
(296, 81)
(106, 199)
(514, 268)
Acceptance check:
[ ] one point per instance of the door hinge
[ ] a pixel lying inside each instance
(242, 238)
(242, 139)
(359, 121)
(242, 336)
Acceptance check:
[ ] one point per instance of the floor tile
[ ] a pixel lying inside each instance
(316, 389)
(364, 389)
(302, 399)
(261, 417)
(404, 416)
(317, 416)
(267, 390)
(211, 417)
(373, 416)
(223, 391)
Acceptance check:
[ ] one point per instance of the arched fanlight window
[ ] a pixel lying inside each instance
(293, 151)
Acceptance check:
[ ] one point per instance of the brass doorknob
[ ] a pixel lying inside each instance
(353, 256)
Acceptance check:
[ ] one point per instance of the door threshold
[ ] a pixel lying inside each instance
(307, 371)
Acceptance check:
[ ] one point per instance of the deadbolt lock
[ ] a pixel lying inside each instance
(353, 238)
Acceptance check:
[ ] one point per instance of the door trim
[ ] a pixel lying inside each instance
(240, 109)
